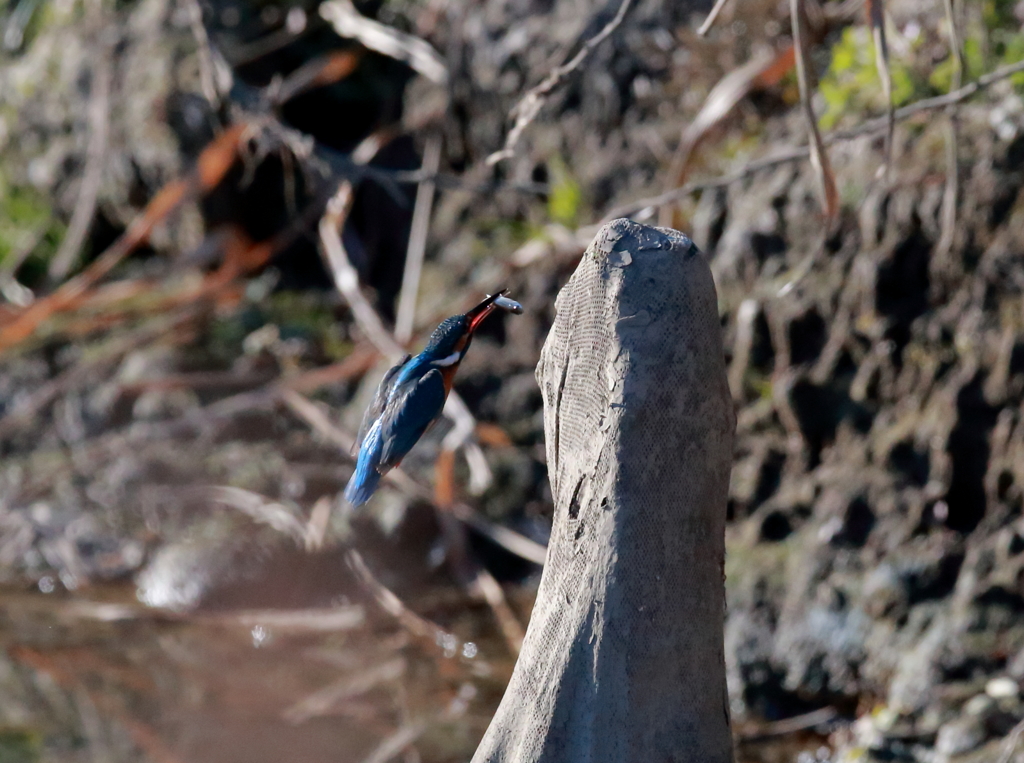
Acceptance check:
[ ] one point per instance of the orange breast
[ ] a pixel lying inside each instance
(448, 375)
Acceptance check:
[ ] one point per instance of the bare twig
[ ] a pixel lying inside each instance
(411, 730)
(17, 22)
(960, 94)
(259, 508)
(952, 191)
(418, 54)
(296, 24)
(207, 69)
(316, 526)
(955, 45)
(520, 545)
(298, 621)
(746, 315)
(819, 157)
(321, 702)
(196, 380)
(211, 166)
(799, 153)
(712, 17)
(448, 182)
(317, 419)
(508, 539)
(417, 243)
(346, 278)
(356, 363)
(418, 626)
(795, 154)
(95, 155)
(529, 106)
(323, 70)
(480, 476)
(291, 621)
(790, 725)
(876, 14)
(765, 66)
(492, 593)
(392, 745)
(482, 582)
(24, 410)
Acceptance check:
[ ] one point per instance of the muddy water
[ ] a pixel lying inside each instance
(96, 676)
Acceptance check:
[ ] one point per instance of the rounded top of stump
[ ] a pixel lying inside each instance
(623, 232)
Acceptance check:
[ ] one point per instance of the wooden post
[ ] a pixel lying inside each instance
(623, 660)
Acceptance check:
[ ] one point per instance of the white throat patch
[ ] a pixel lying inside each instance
(450, 360)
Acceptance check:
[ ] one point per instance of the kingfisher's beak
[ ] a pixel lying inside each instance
(481, 311)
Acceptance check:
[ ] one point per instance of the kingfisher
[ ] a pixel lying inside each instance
(411, 397)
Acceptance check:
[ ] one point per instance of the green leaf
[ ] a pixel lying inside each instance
(565, 198)
(19, 745)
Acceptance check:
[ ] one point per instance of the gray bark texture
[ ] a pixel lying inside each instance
(623, 660)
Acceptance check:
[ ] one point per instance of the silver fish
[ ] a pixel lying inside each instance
(508, 304)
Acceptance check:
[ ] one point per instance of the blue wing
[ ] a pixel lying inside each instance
(414, 406)
(380, 399)
(365, 478)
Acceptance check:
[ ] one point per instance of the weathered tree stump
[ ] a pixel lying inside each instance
(623, 659)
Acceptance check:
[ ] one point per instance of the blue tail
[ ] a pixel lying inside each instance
(361, 487)
(365, 478)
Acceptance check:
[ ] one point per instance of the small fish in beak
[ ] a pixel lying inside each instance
(508, 304)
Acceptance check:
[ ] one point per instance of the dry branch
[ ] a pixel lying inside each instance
(510, 540)
(952, 191)
(25, 410)
(411, 730)
(321, 71)
(95, 158)
(321, 702)
(204, 53)
(346, 279)
(433, 635)
(799, 153)
(492, 593)
(298, 621)
(417, 243)
(483, 583)
(765, 68)
(317, 420)
(214, 162)
(316, 525)
(529, 106)
(418, 54)
(876, 16)
(449, 511)
(789, 725)
(819, 157)
(392, 745)
(712, 17)
(257, 507)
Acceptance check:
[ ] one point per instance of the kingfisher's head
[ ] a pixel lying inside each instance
(450, 340)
